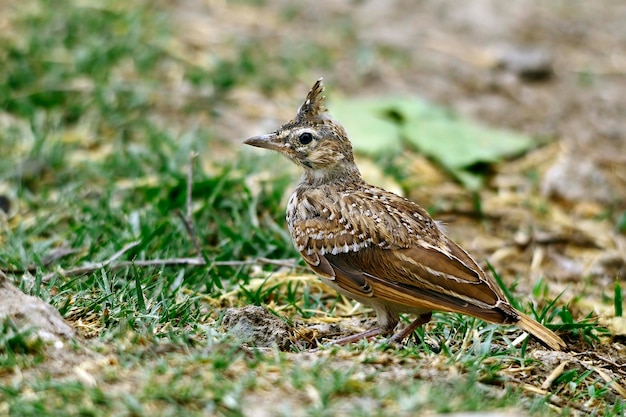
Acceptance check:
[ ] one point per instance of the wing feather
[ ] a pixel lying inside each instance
(375, 244)
(408, 293)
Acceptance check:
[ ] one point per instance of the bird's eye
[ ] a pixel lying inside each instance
(306, 138)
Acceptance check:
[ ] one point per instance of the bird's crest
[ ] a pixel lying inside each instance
(313, 109)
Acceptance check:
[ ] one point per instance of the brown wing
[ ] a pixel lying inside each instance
(398, 277)
(373, 243)
(399, 285)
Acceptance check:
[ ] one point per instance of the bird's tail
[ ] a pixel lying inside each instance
(545, 335)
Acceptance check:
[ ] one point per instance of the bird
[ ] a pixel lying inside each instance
(374, 246)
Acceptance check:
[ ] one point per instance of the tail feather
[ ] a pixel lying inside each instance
(545, 335)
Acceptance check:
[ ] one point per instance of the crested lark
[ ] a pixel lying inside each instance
(374, 246)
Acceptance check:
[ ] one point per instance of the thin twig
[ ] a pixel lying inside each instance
(53, 256)
(187, 218)
(288, 263)
(606, 360)
(190, 231)
(192, 156)
(195, 261)
(90, 268)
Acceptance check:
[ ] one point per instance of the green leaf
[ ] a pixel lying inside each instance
(456, 143)
(459, 143)
(369, 128)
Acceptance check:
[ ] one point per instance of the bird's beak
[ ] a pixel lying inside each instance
(269, 141)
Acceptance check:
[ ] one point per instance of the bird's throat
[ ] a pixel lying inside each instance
(345, 174)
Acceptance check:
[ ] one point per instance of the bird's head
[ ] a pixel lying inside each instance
(312, 140)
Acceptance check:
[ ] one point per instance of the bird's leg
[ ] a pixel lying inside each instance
(368, 334)
(404, 333)
(386, 328)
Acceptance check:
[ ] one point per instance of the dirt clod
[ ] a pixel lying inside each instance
(255, 326)
(28, 311)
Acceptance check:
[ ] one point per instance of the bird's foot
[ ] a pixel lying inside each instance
(368, 334)
(399, 337)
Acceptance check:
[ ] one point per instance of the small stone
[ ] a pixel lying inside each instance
(575, 178)
(528, 63)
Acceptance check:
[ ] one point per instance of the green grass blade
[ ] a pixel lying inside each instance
(618, 301)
